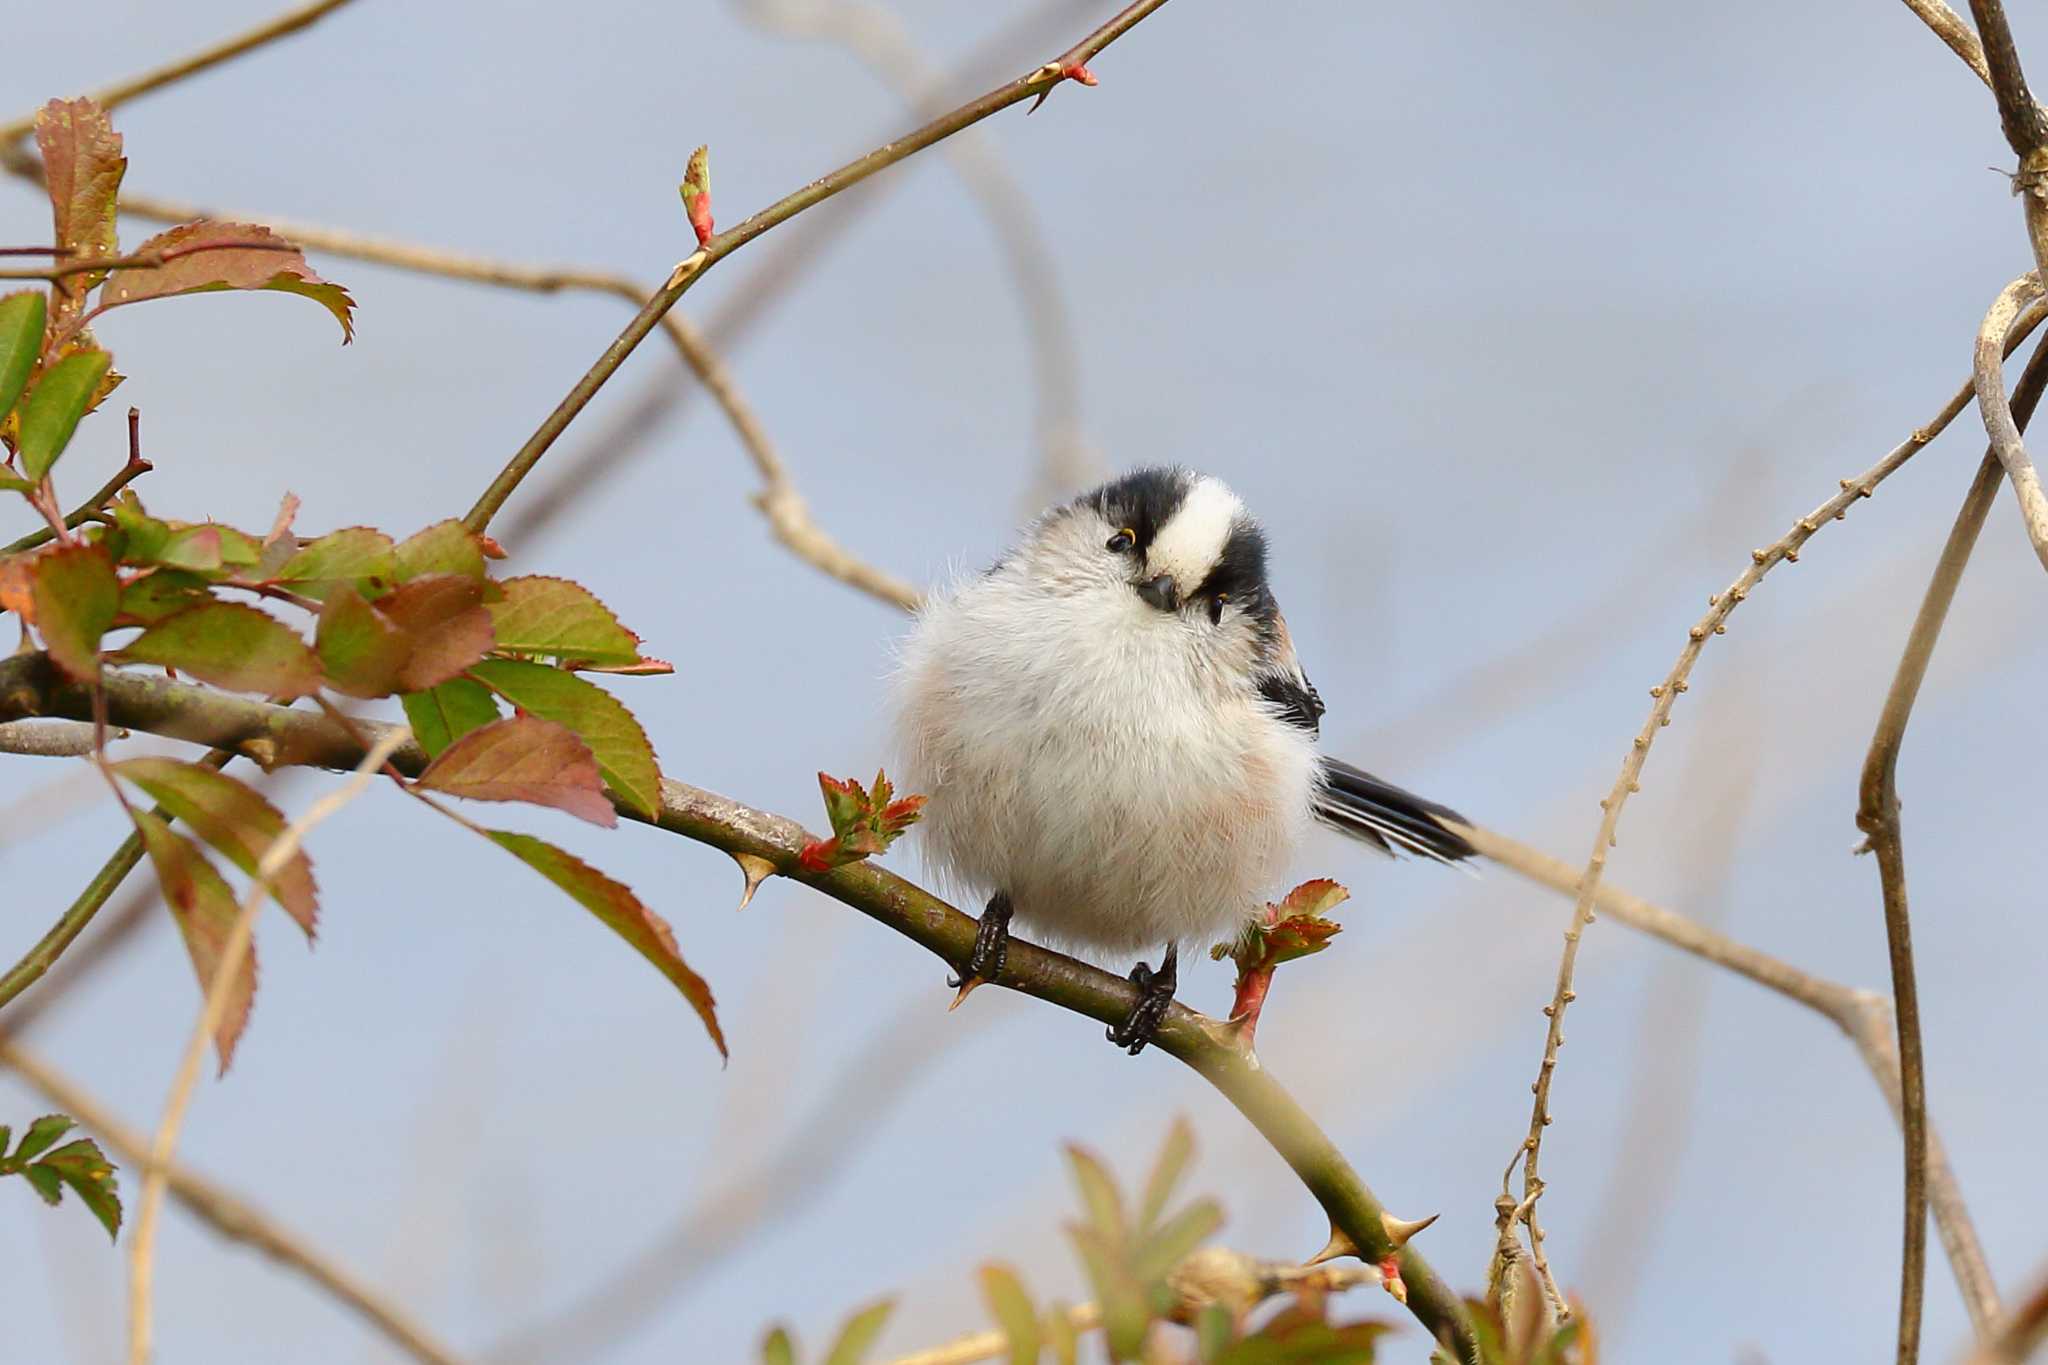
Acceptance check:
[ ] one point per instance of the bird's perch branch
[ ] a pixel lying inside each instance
(30, 685)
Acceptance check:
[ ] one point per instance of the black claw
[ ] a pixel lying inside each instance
(991, 944)
(1155, 994)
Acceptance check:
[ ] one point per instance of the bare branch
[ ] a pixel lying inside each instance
(1950, 28)
(2020, 1337)
(120, 92)
(31, 685)
(1033, 85)
(2025, 122)
(1664, 696)
(2024, 293)
(227, 1213)
(1877, 812)
(156, 1165)
(1864, 1017)
(46, 738)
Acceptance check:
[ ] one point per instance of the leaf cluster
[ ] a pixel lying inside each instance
(865, 821)
(78, 1165)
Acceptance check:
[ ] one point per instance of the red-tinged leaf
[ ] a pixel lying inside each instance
(159, 593)
(1317, 897)
(21, 341)
(696, 188)
(281, 526)
(205, 912)
(50, 413)
(204, 256)
(444, 617)
(541, 615)
(445, 547)
(621, 912)
(819, 855)
(76, 596)
(18, 586)
(197, 548)
(82, 168)
(234, 819)
(441, 715)
(523, 758)
(864, 822)
(623, 754)
(230, 645)
(642, 667)
(139, 538)
(357, 555)
(360, 651)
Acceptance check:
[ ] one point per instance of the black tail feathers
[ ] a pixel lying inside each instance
(1356, 803)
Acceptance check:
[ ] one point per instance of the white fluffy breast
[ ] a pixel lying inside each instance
(1085, 753)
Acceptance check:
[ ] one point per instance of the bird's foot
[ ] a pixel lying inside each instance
(1155, 993)
(991, 945)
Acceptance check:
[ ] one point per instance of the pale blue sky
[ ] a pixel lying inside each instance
(1516, 324)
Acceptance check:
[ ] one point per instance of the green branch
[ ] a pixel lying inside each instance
(31, 686)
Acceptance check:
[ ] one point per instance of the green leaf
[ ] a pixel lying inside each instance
(47, 1183)
(142, 537)
(1060, 1337)
(81, 1165)
(445, 547)
(777, 1348)
(1125, 1313)
(1177, 1237)
(206, 256)
(1010, 1305)
(623, 754)
(444, 617)
(1166, 1173)
(230, 645)
(41, 1136)
(857, 1337)
(234, 819)
(357, 555)
(166, 592)
(11, 483)
(541, 615)
(82, 169)
(1098, 1196)
(1215, 1328)
(622, 913)
(76, 596)
(54, 406)
(361, 651)
(197, 548)
(21, 341)
(523, 758)
(205, 912)
(441, 715)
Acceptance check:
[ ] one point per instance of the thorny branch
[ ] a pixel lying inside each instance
(1664, 696)
(30, 685)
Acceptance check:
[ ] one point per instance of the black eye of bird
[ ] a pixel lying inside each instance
(1216, 608)
(1122, 541)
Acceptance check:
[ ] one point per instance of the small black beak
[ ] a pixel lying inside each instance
(1162, 592)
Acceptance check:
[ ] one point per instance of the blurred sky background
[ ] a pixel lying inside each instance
(1518, 324)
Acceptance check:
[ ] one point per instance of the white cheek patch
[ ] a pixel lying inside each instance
(1192, 540)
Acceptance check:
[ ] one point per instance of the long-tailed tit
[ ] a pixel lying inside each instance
(1117, 740)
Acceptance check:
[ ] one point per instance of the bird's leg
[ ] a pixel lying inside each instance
(991, 945)
(1155, 993)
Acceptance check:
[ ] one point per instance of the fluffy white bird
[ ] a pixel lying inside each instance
(1117, 740)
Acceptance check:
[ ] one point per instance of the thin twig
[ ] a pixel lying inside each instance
(156, 1166)
(1950, 28)
(46, 738)
(1665, 695)
(1032, 85)
(2024, 121)
(141, 260)
(120, 92)
(878, 39)
(2020, 1337)
(1877, 816)
(978, 1346)
(227, 1213)
(1866, 1019)
(1988, 375)
(90, 508)
(31, 685)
